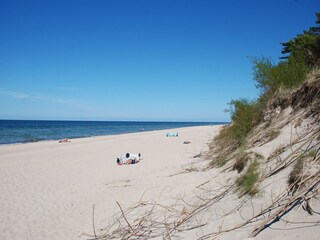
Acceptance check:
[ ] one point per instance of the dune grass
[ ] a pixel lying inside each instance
(246, 183)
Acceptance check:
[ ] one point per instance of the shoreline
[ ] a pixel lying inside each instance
(92, 129)
(102, 136)
(48, 188)
(98, 136)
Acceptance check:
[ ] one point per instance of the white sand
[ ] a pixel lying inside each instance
(48, 189)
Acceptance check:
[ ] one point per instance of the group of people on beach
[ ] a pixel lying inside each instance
(129, 158)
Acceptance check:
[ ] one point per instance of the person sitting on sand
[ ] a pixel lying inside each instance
(129, 158)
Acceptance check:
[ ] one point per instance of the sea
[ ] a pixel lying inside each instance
(24, 131)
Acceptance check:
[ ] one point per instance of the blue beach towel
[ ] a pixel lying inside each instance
(172, 134)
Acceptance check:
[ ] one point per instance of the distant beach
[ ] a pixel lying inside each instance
(22, 131)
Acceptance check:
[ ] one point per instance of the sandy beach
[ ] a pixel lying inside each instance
(146, 120)
(48, 189)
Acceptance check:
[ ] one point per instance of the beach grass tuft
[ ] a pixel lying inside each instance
(247, 182)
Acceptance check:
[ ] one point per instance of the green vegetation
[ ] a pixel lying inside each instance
(258, 156)
(243, 157)
(284, 75)
(247, 183)
(223, 148)
(305, 47)
(300, 56)
(245, 115)
(276, 82)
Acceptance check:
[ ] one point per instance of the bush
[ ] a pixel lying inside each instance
(245, 116)
(285, 75)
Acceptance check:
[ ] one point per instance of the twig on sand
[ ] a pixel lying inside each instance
(156, 220)
(94, 228)
(291, 203)
(124, 217)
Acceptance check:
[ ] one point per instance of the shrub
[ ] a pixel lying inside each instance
(271, 77)
(245, 116)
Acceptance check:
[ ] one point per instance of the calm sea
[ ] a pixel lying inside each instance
(22, 131)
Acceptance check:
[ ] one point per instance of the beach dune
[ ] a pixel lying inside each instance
(48, 189)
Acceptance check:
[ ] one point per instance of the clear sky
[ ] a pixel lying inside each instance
(153, 60)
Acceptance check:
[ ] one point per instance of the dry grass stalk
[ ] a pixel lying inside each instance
(148, 220)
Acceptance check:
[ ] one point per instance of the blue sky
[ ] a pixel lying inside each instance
(153, 60)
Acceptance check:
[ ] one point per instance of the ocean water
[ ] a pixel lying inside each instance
(22, 131)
